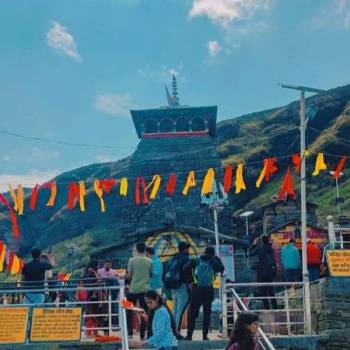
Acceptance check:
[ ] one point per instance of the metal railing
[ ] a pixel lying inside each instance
(101, 304)
(263, 340)
(287, 317)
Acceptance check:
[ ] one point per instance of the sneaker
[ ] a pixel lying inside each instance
(188, 338)
(206, 338)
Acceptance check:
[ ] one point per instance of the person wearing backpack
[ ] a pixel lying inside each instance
(204, 270)
(266, 268)
(175, 281)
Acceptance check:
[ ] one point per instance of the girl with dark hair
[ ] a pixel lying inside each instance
(161, 330)
(244, 334)
(91, 279)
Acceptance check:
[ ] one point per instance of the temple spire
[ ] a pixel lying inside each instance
(173, 100)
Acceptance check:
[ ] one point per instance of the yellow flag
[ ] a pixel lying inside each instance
(123, 191)
(14, 198)
(99, 193)
(190, 182)
(240, 185)
(262, 175)
(82, 193)
(155, 184)
(208, 181)
(319, 165)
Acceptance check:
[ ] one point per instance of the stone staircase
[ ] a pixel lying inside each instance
(280, 343)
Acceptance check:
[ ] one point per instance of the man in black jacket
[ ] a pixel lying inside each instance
(204, 270)
(175, 281)
(266, 268)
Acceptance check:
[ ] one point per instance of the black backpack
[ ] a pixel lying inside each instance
(172, 274)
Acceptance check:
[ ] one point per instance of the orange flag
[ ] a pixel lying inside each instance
(287, 188)
(269, 169)
(2, 255)
(296, 160)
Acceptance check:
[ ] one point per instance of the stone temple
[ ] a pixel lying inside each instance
(173, 139)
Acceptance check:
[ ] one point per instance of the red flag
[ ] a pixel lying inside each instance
(287, 188)
(107, 184)
(170, 185)
(140, 181)
(12, 216)
(10, 261)
(339, 167)
(34, 197)
(271, 168)
(228, 178)
(296, 160)
(73, 194)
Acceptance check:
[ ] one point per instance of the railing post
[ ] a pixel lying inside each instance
(331, 232)
(287, 310)
(109, 312)
(224, 307)
(122, 317)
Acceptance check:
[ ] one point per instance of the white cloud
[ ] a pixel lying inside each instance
(114, 104)
(214, 47)
(337, 12)
(163, 73)
(62, 41)
(27, 180)
(224, 12)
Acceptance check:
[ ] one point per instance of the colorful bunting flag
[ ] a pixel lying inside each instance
(319, 165)
(228, 178)
(170, 185)
(287, 188)
(140, 181)
(12, 216)
(339, 167)
(240, 184)
(208, 181)
(190, 182)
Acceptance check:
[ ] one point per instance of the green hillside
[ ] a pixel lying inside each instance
(249, 138)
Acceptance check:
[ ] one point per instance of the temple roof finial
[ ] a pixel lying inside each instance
(174, 99)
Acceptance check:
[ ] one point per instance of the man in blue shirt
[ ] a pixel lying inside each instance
(157, 271)
(291, 262)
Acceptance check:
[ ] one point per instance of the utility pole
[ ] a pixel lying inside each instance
(303, 123)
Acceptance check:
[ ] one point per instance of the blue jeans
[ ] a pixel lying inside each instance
(181, 299)
(292, 275)
(314, 272)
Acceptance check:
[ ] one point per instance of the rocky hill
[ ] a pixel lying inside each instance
(249, 138)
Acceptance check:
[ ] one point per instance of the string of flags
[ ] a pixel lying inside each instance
(144, 193)
(14, 264)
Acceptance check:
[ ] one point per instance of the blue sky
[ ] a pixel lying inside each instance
(71, 70)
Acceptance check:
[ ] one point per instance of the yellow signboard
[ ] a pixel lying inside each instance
(339, 262)
(56, 324)
(13, 325)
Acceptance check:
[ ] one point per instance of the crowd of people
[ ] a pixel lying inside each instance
(185, 281)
